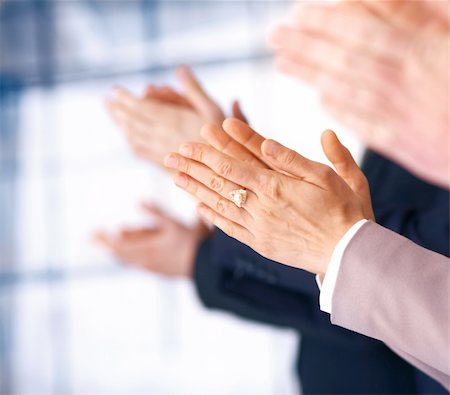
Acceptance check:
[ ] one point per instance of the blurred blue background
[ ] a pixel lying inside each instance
(73, 321)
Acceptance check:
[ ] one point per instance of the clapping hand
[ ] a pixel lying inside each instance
(381, 68)
(295, 209)
(163, 118)
(167, 249)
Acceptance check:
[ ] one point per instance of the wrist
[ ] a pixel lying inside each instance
(339, 234)
(329, 279)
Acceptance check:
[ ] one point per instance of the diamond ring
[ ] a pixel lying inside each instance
(238, 197)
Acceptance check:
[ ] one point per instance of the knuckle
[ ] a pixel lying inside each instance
(185, 166)
(216, 183)
(229, 231)
(221, 206)
(197, 153)
(225, 168)
(271, 188)
(326, 173)
(361, 184)
(289, 157)
(192, 187)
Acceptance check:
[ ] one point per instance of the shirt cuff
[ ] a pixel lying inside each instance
(329, 281)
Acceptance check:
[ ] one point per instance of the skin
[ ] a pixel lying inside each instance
(367, 60)
(168, 249)
(162, 119)
(154, 125)
(274, 220)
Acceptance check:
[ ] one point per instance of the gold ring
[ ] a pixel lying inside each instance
(238, 197)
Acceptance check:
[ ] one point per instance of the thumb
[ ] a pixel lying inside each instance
(347, 168)
(196, 95)
(288, 160)
(237, 112)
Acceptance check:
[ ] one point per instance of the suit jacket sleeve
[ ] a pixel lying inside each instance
(240, 259)
(251, 292)
(427, 226)
(395, 291)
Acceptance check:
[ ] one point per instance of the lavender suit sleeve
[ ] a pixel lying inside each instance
(393, 290)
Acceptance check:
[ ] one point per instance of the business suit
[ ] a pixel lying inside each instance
(393, 290)
(414, 209)
(256, 288)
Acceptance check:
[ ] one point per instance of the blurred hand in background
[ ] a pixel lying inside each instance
(154, 125)
(166, 249)
(381, 68)
(163, 118)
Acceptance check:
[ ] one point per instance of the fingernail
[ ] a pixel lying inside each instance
(181, 181)
(171, 161)
(271, 148)
(186, 150)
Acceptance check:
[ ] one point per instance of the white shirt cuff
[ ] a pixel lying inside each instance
(329, 281)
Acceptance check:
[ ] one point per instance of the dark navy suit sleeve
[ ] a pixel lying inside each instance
(253, 293)
(242, 260)
(407, 205)
(428, 227)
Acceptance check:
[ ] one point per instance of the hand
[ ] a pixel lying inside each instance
(295, 217)
(368, 68)
(410, 14)
(169, 249)
(163, 119)
(240, 142)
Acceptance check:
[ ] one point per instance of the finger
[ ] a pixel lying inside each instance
(195, 93)
(106, 240)
(124, 96)
(142, 132)
(299, 69)
(169, 95)
(357, 98)
(215, 201)
(237, 112)
(150, 91)
(144, 149)
(370, 128)
(329, 57)
(202, 174)
(229, 227)
(129, 119)
(409, 15)
(347, 168)
(222, 142)
(342, 160)
(224, 166)
(351, 25)
(244, 135)
(290, 161)
(149, 108)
